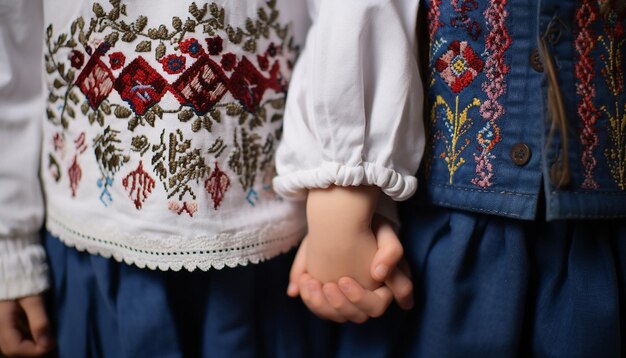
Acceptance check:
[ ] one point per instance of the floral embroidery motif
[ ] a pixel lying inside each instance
(117, 60)
(173, 64)
(497, 43)
(459, 66)
(110, 160)
(139, 185)
(456, 124)
(194, 71)
(77, 59)
(613, 72)
(216, 185)
(177, 164)
(75, 173)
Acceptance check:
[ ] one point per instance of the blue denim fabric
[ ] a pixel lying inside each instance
(103, 308)
(491, 286)
(470, 165)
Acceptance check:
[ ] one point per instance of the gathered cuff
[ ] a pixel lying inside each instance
(23, 267)
(294, 185)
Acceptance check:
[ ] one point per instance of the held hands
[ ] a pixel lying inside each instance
(346, 257)
(24, 328)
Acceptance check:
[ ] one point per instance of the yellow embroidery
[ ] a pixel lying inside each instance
(456, 124)
(614, 76)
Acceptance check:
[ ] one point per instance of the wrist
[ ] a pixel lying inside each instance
(341, 210)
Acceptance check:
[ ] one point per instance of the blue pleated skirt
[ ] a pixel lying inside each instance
(102, 308)
(487, 286)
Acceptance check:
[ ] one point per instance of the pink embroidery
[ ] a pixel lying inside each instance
(139, 185)
(217, 184)
(202, 85)
(459, 66)
(95, 81)
(585, 89)
(81, 146)
(433, 19)
(58, 143)
(189, 208)
(498, 42)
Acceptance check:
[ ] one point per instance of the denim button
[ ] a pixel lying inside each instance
(520, 154)
(535, 60)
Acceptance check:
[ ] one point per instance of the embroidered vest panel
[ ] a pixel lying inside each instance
(161, 130)
(526, 95)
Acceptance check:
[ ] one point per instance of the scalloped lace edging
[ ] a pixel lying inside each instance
(205, 252)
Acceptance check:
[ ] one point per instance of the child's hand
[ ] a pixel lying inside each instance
(24, 328)
(349, 301)
(340, 241)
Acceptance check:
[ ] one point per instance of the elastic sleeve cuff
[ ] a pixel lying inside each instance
(23, 267)
(294, 185)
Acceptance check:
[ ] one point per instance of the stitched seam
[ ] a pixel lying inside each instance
(478, 209)
(483, 191)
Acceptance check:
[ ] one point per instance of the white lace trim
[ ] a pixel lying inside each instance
(177, 252)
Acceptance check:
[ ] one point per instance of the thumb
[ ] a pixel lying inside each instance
(38, 323)
(389, 252)
(298, 268)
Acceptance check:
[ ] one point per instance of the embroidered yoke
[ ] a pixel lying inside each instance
(525, 95)
(162, 119)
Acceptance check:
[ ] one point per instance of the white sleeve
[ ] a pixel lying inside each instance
(23, 268)
(354, 109)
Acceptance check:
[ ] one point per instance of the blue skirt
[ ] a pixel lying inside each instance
(487, 286)
(102, 308)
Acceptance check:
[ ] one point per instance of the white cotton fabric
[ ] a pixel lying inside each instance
(23, 268)
(352, 118)
(354, 109)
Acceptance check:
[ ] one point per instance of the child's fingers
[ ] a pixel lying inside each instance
(298, 268)
(14, 342)
(313, 297)
(402, 288)
(38, 322)
(342, 305)
(389, 252)
(373, 303)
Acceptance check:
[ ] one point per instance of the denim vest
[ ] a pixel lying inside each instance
(526, 95)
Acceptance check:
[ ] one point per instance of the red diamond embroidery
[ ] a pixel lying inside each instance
(95, 81)
(140, 85)
(248, 85)
(459, 66)
(202, 85)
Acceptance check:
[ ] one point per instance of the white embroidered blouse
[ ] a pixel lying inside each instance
(155, 124)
